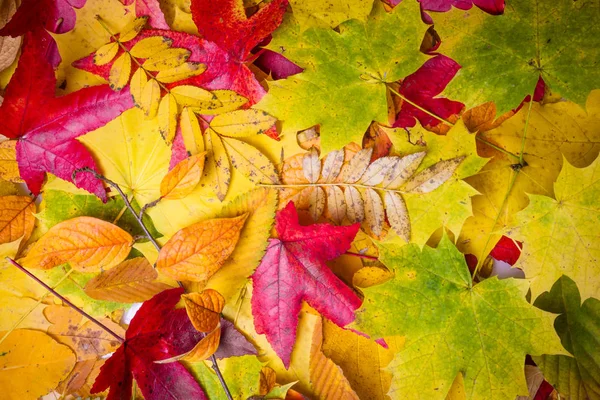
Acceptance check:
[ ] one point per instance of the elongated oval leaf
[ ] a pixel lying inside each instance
(433, 177)
(242, 123)
(120, 72)
(183, 178)
(167, 117)
(336, 204)
(374, 213)
(16, 218)
(218, 169)
(248, 160)
(87, 244)
(181, 72)
(397, 214)
(137, 85)
(311, 165)
(332, 166)
(357, 166)
(150, 98)
(355, 206)
(149, 46)
(166, 59)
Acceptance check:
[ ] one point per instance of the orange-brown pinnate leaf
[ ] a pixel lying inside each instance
(85, 338)
(204, 309)
(327, 378)
(16, 218)
(9, 170)
(183, 178)
(87, 244)
(195, 253)
(132, 281)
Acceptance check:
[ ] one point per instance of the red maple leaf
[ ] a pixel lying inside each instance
(292, 270)
(46, 126)
(159, 331)
(421, 87)
(56, 16)
(150, 9)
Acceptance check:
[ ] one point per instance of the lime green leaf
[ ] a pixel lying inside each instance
(561, 235)
(502, 57)
(242, 375)
(577, 325)
(483, 331)
(343, 85)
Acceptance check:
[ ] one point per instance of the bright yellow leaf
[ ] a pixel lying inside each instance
(106, 53)
(150, 46)
(9, 170)
(192, 96)
(166, 59)
(181, 72)
(242, 123)
(167, 117)
(137, 85)
(150, 99)
(133, 29)
(191, 132)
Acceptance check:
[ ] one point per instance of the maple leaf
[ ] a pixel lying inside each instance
(532, 39)
(330, 13)
(526, 153)
(46, 126)
(422, 87)
(57, 16)
(156, 332)
(293, 271)
(575, 377)
(559, 235)
(343, 86)
(483, 331)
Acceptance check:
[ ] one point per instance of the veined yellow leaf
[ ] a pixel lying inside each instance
(167, 117)
(150, 46)
(248, 160)
(181, 72)
(183, 178)
(242, 123)
(9, 170)
(132, 29)
(192, 96)
(204, 309)
(218, 169)
(229, 99)
(87, 244)
(131, 281)
(27, 354)
(150, 98)
(166, 59)
(106, 53)
(120, 72)
(137, 85)
(191, 132)
(195, 253)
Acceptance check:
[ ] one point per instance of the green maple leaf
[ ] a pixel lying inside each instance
(331, 12)
(343, 85)
(578, 326)
(561, 235)
(483, 331)
(502, 57)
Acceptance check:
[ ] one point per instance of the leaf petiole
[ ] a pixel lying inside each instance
(419, 107)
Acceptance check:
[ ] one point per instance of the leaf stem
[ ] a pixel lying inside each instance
(495, 147)
(350, 253)
(300, 185)
(125, 199)
(215, 367)
(73, 306)
(419, 107)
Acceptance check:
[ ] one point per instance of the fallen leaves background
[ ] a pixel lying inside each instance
(310, 199)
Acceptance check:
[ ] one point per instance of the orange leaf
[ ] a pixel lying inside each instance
(195, 253)
(16, 218)
(87, 244)
(9, 170)
(327, 377)
(268, 380)
(85, 338)
(204, 309)
(131, 281)
(183, 178)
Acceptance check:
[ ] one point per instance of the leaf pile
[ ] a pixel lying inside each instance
(299, 199)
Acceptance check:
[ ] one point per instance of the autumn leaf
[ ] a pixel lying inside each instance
(195, 253)
(293, 269)
(27, 353)
(569, 240)
(513, 51)
(331, 13)
(133, 280)
(46, 126)
(9, 169)
(526, 154)
(156, 332)
(343, 86)
(17, 218)
(576, 377)
(181, 180)
(57, 16)
(490, 323)
(87, 244)
(9, 47)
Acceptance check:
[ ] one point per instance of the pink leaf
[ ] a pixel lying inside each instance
(294, 270)
(57, 16)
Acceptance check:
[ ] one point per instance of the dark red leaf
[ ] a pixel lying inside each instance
(57, 16)
(294, 270)
(421, 87)
(494, 7)
(46, 126)
(277, 65)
